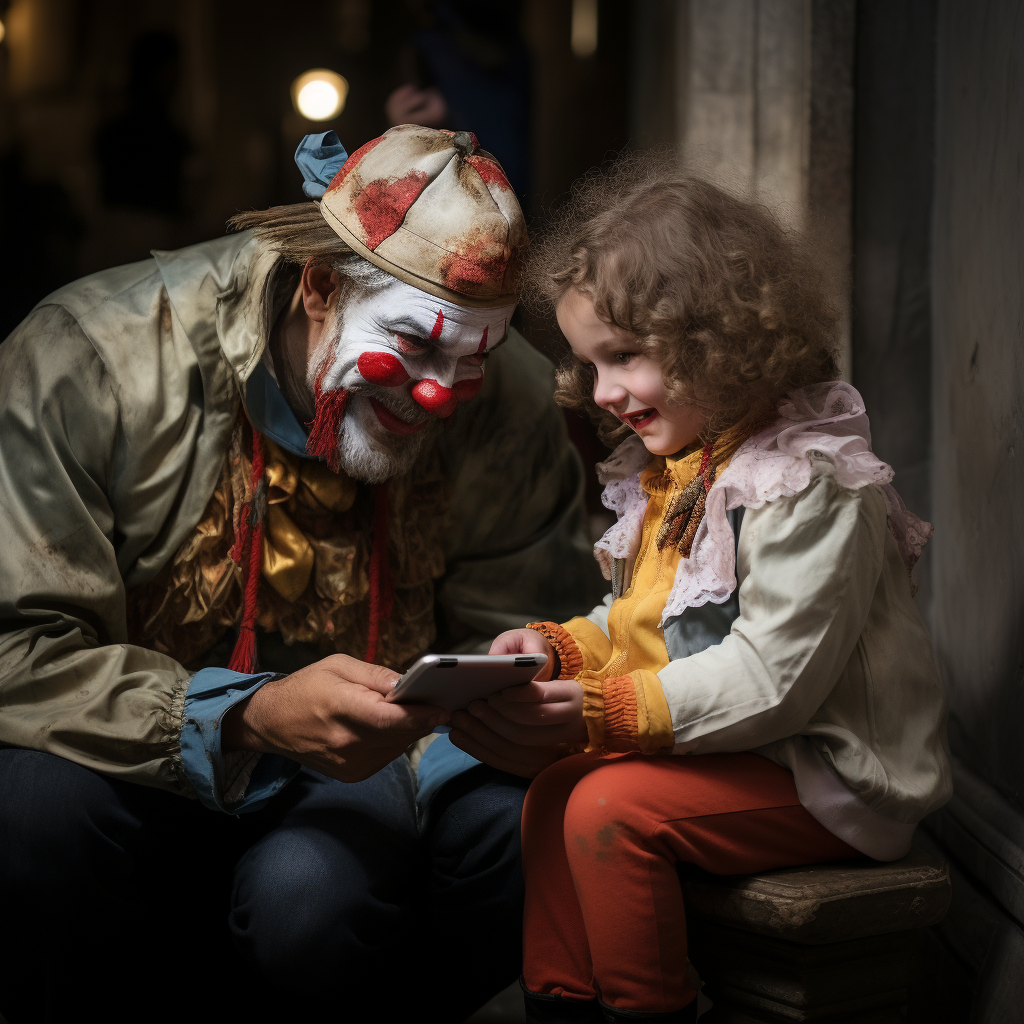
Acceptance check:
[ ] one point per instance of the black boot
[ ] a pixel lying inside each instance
(547, 1009)
(687, 1015)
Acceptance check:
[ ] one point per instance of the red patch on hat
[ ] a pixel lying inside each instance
(350, 164)
(382, 204)
(468, 267)
(490, 171)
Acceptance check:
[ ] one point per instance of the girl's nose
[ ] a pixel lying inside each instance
(608, 394)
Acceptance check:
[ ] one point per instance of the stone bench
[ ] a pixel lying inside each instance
(828, 942)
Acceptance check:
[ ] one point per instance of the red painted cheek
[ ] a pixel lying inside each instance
(382, 368)
(435, 398)
(466, 389)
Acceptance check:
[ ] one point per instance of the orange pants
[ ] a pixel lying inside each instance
(602, 835)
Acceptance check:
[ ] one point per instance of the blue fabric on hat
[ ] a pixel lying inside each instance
(319, 157)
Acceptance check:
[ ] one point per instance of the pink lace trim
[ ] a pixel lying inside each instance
(620, 474)
(823, 421)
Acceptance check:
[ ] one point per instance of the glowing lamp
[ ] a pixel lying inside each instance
(583, 32)
(319, 95)
(3, 31)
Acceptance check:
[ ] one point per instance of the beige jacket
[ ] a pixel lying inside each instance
(117, 398)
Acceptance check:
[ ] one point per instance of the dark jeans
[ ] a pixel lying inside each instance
(122, 902)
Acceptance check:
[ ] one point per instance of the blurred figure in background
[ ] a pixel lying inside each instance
(469, 65)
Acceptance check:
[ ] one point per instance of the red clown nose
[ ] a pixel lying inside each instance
(382, 368)
(435, 398)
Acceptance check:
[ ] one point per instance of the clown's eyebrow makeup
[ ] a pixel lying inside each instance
(404, 325)
(405, 329)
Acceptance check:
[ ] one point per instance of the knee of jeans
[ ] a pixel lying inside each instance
(475, 820)
(51, 804)
(299, 909)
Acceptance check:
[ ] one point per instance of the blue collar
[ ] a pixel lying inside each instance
(270, 414)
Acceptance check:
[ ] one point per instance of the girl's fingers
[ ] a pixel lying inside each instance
(506, 643)
(482, 733)
(542, 691)
(521, 641)
(477, 740)
(526, 735)
(533, 714)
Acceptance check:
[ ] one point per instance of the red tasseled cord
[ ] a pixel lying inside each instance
(381, 595)
(705, 459)
(322, 442)
(249, 543)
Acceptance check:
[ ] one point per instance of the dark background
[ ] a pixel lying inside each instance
(128, 125)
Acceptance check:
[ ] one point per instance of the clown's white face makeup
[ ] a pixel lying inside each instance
(406, 359)
(627, 381)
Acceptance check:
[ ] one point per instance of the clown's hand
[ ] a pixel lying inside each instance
(470, 734)
(332, 717)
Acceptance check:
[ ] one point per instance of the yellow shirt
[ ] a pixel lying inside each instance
(619, 671)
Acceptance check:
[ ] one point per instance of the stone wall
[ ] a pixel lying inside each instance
(977, 612)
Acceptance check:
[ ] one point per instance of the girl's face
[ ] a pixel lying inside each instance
(627, 381)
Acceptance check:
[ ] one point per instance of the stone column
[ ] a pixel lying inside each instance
(763, 104)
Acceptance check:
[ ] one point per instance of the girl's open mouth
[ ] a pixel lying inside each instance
(638, 419)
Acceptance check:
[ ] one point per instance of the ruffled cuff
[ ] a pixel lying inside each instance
(570, 657)
(627, 713)
(621, 731)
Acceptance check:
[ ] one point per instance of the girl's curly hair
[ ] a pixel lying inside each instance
(731, 305)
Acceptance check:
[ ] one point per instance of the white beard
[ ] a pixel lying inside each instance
(367, 450)
(369, 453)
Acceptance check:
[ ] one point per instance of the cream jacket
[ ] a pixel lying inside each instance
(813, 653)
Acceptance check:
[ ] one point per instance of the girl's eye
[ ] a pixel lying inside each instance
(624, 357)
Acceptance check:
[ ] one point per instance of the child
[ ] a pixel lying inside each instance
(759, 689)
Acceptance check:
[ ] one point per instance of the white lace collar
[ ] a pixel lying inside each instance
(825, 421)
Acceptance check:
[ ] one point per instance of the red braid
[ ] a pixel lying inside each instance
(250, 542)
(381, 594)
(322, 442)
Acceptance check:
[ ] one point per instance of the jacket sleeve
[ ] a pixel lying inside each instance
(518, 544)
(70, 683)
(808, 566)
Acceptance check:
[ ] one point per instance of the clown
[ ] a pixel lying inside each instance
(243, 485)
(413, 345)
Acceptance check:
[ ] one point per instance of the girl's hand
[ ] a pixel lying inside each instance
(542, 713)
(526, 641)
(470, 734)
(537, 714)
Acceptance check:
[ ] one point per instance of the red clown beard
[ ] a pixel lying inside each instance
(325, 426)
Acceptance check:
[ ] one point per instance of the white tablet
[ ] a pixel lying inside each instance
(453, 681)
